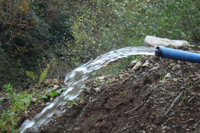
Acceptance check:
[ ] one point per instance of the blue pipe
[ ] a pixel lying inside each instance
(177, 54)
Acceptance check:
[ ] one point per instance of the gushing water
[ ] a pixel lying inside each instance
(75, 81)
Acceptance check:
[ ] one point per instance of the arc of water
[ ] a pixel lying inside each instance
(76, 80)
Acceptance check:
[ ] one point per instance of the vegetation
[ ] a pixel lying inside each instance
(82, 30)
(19, 103)
(48, 38)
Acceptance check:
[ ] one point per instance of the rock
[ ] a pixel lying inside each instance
(184, 126)
(181, 114)
(133, 62)
(33, 100)
(47, 82)
(50, 81)
(51, 99)
(142, 131)
(139, 63)
(121, 76)
(56, 87)
(97, 89)
(151, 41)
(188, 130)
(168, 75)
(175, 80)
(77, 128)
(146, 63)
(154, 68)
(168, 128)
(88, 90)
(54, 81)
(82, 101)
(197, 103)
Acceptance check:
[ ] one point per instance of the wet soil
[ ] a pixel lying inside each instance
(152, 95)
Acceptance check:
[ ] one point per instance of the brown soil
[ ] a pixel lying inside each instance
(162, 96)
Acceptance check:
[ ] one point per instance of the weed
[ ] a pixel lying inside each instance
(71, 102)
(124, 93)
(52, 93)
(183, 97)
(19, 103)
(41, 77)
(74, 101)
(99, 82)
(190, 88)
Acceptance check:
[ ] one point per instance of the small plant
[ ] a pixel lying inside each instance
(190, 88)
(53, 93)
(124, 93)
(19, 103)
(99, 82)
(71, 102)
(183, 97)
(74, 101)
(42, 75)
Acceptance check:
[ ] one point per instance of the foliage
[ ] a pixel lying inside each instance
(74, 101)
(53, 93)
(82, 30)
(19, 103)
(29, 34)
(41, 77)
(101, 26)
(31, 75)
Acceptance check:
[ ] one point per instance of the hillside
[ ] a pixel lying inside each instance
(161, 95)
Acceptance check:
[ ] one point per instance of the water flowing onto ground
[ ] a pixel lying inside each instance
(75, 80)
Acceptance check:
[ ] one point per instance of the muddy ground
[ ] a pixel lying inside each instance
(152, 95)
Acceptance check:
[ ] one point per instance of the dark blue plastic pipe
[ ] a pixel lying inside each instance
(177, 54)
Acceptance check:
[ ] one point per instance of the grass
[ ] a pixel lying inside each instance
(19, 103)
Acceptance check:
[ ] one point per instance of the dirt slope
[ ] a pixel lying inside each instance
(160, 96)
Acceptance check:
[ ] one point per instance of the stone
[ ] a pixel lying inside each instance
(97, 89)
(181, 114)
(151, 41)
(139, 63)
(47, 82)
(51, 99)
(146, 63)
(142, 131)
(154, 68)
(33, 100)
(77, 128)
(133, 62)
(168, 75)
(82, 101)
(175, 80)
(168, 128)
(56, 87)
(54, 81)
